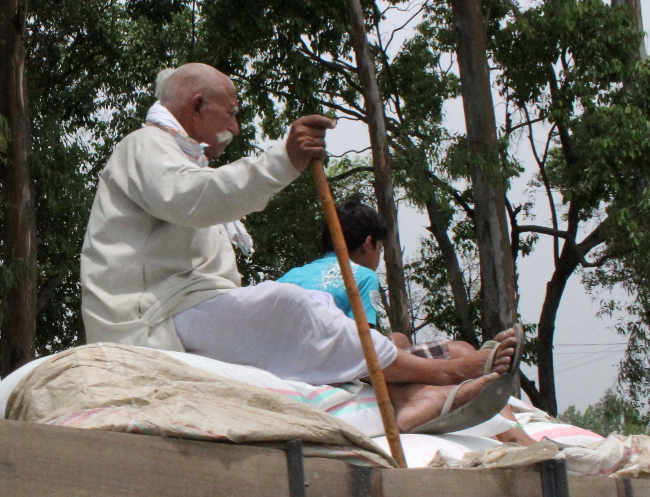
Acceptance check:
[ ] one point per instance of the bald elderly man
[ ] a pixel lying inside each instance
(158, 267)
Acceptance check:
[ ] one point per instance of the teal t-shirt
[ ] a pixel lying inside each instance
(325, 275)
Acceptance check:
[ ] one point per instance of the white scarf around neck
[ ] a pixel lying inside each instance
(159, 116)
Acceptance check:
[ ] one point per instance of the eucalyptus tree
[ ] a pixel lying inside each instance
(498, 308)
(384, 191)
(596, 112)
(18, 270)
(444, 174)
(572, 65)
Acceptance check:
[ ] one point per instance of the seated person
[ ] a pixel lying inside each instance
(364, 232)
(158, 268)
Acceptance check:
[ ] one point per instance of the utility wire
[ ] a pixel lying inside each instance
(588, 361)
(576, 352)
(592, 354)
(587, 344)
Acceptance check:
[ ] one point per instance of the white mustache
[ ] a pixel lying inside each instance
(224, 137)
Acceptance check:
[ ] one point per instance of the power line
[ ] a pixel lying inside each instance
(580, 352)
(588, 361)
(592, 354)
(586, 344)
(587, 351)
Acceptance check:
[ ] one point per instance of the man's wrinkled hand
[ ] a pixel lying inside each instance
(306, 140)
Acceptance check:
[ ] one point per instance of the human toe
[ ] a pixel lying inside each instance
(503, 335)
(501, 365)
(508, 344)
(471, 389)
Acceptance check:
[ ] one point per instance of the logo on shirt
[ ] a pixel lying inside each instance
(377, 304)
(333, 278)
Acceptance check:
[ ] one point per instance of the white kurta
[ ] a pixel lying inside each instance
(154, 245)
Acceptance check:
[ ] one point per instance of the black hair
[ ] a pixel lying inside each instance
(358, 221)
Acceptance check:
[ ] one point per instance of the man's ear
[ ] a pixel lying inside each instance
(368, 244)
(196, 102)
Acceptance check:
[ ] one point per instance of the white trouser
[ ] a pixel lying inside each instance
(294, 333)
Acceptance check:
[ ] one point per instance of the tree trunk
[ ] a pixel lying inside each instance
(635, 9)
(19, 233)
(397, 296)
(565, 267)
(439, 229)
(499, 308)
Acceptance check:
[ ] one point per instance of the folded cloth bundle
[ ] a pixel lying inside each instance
(132, 389)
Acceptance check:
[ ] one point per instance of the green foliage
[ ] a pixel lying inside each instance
(91, 69)
(575, 34)
(5, 137)
(572, 63)
(619, 151)
(277, 51)
(417, 85)
(584, 51)
(610, 414)
(286, 234)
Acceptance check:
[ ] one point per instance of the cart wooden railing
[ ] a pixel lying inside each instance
(40, 460)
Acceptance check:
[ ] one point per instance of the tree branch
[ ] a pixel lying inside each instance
(525, 124)
(340, 68)
(351, 172)
(386, 64)
(531, 390)
(540, 229)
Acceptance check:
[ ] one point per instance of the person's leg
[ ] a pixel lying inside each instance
(416, 404)
(294, 333)
(408, 368)
(445, 349)
(283, 329)
(458, 350)
(400, 340)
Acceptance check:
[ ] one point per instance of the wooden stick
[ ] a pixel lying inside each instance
(369, 352)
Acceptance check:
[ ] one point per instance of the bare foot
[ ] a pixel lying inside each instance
(416, 403)
(473, 365)
(516, 435)
(505, 352)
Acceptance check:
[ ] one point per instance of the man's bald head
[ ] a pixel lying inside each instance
(204, 101)
(189, 80)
